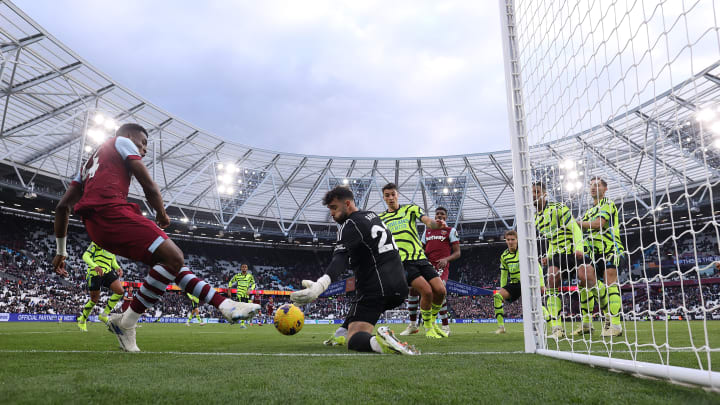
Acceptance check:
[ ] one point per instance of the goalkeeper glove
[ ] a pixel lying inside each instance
(312, 290)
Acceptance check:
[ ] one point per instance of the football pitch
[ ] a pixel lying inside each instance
(220, 363)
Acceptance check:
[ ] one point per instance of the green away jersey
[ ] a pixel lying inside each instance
(605, 241)
(245, 282)
(193, 298)
(95, 256)
(510, 269)
(558, 230)
(402, 224)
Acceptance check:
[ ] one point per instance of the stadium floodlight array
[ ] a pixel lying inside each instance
(614, 90)
(447, 192)
(234, 185)
(360, 186)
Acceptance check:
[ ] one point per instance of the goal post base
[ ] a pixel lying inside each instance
(706, 378)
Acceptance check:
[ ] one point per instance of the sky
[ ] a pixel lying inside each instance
(345, 78)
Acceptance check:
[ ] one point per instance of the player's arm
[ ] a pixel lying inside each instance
(429, 222)
(252, 283)
(503, 273)
(597, 223)
(151, 190)
(350, 237)
(116, 266)
(62, 217)
(567, 221)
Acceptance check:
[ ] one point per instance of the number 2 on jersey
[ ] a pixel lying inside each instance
(382, 233)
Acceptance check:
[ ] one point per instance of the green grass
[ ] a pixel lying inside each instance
(56, 363)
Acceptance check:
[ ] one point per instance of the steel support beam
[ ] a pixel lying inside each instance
(313, 189)
(352, 167)
(665, 130)
(21, 43)
(422, 185)
(40, 79)
(500, 170)
(57, 111)
(284, 186)
(372, 177)
(195, 165)
(611, 165)
(475, 178)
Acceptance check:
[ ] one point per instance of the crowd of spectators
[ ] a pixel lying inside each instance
(28, 284)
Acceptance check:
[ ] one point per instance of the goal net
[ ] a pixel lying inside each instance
(615, 124)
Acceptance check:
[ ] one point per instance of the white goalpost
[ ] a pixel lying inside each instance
(625, 93)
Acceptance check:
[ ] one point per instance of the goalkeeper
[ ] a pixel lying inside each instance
(600, 222)
(510, 279)
(367, 246)
(245, 283)
(103, 270)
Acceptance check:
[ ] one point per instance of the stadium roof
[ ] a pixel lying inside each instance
(49, 97)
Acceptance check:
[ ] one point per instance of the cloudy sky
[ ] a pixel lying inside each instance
(349, 78)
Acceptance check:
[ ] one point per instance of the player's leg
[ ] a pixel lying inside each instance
(423, 288)
(553, 299)
(243, 299)
(190, 314)
(115, 285)
(412, 305)
(169, 267)
(600, 291)
(430, 274)
(362, 318)
(339, 337)
(498, 301)
(88, 307)
(586, 282)
(614, 300)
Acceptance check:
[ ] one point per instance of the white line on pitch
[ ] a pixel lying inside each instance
(251, 354)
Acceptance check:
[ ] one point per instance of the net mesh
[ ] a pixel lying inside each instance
(629, 92)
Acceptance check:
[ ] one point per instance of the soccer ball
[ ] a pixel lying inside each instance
(289, 319)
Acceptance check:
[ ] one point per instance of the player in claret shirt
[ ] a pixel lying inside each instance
(99, 196)
(441, 247)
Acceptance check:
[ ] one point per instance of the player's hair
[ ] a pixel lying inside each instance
(539, 184)
(510, 233)
(389, 186)
(131, 127)
(441, 209)
(599, 179)
(340, 192)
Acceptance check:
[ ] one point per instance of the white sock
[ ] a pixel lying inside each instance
(375, 345)
(341, 332)
(129, 319)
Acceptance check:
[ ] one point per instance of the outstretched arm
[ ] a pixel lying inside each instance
(62, 217)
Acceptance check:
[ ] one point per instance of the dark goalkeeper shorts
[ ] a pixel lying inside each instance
(369, 308)
(514, 290)
(419, 268)
(567, 262)
(95, 282)
(607, 262)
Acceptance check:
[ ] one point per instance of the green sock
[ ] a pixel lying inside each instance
(499, 311)
(198, 317)
(112, 302)
(587, 302)
(427, 317)
(600, 293)
(546, 314)
(434, 309)
(190, 315)
(86, 311)
(554, 306)
(615, 303)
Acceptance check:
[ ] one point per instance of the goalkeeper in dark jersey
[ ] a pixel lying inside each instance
(103, 271)
(368, 248)
(562, 250)
(602, 227)
(421, 275)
